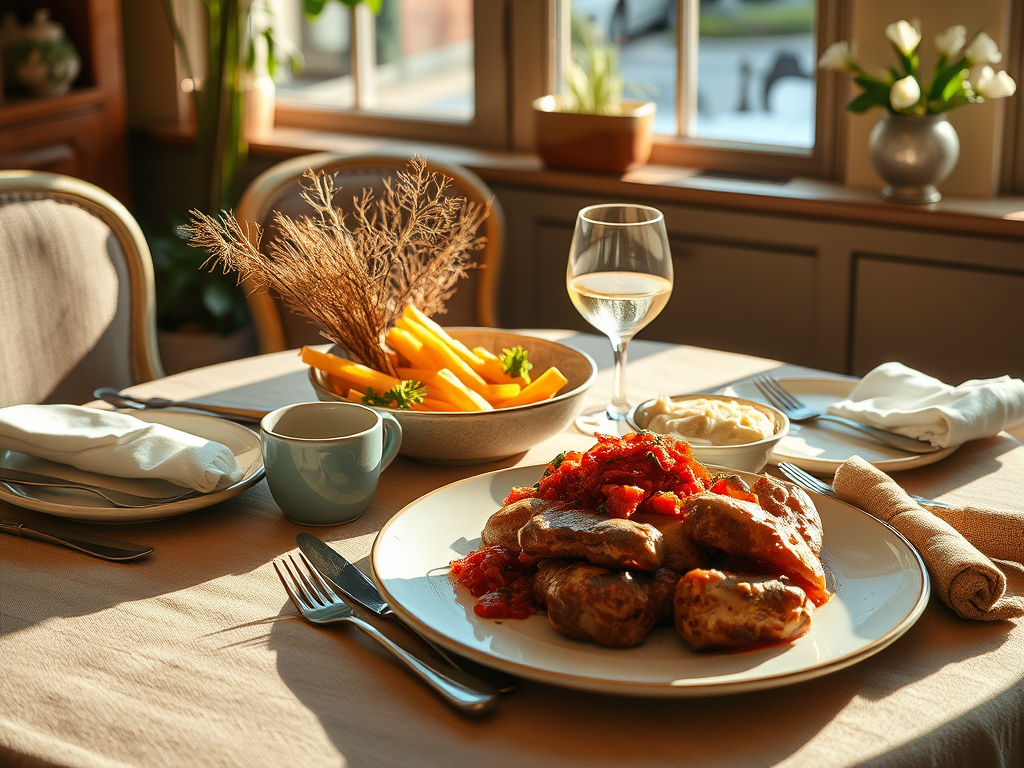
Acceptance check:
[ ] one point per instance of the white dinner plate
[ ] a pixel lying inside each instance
(85, 506)
(821, 446)
(881, 587)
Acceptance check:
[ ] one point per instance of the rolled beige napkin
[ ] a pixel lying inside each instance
(996, 533)
(964, 578)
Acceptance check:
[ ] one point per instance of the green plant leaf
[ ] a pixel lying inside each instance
(948, 78)
(878, 89)
(862, 103)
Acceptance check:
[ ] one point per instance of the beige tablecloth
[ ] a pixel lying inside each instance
(195, 657)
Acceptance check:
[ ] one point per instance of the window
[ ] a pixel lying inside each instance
(735, 81)
(412, 69)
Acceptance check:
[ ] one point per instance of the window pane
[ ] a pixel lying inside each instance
(422, 65)
(756, 71)
(326, 48)
(644, 33)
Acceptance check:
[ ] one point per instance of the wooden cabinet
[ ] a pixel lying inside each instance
(82, 133)
(954, 322)
(841, 296)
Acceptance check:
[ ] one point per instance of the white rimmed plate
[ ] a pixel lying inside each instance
(87, 507)
(821, 446)
(881, 587)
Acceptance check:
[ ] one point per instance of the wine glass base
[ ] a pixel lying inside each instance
(600, 422)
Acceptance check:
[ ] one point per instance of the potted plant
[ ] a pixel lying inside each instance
(914, 147)
(202, 314)
(591, 127)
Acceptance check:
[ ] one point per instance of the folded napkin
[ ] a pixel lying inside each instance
(117, 444)
(900, 399)
(964, 578)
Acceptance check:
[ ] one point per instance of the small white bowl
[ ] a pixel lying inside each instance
(463, 439)
(748, 457)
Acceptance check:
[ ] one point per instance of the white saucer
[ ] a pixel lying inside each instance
(821, 446)
(87, 507)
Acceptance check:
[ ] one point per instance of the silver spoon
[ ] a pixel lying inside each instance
(121, 400)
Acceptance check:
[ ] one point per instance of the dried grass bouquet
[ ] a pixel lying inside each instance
(354, 274)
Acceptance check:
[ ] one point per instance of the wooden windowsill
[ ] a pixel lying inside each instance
(1001, 216)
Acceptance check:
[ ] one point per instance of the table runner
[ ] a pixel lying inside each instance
(195, 656)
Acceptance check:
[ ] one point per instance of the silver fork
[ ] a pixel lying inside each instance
(320, 604)
(119, 499)
(798, 411)
(811, 483)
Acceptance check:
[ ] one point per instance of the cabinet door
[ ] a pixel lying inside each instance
(740, 299)
(72, 146)
(954, 323)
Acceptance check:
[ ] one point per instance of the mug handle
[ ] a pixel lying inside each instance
(392, 439)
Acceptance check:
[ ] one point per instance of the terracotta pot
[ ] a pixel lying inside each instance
(611, 143)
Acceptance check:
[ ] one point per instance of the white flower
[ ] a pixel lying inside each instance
(994, 85)
(983, 50)
(904, 93)
(951, 41)
(903, 36)
(837, 57)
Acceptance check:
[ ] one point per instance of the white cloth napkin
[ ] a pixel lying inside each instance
(900, 399)
(117, 444)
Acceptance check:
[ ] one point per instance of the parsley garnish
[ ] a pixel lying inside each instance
(514, 362)
(400, 396)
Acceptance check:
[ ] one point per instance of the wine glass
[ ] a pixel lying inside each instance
(619, 278)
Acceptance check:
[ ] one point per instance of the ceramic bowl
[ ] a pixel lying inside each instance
(748, 457)
(477, 438)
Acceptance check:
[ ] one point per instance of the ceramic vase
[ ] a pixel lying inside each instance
(912, 155)
(45, 61)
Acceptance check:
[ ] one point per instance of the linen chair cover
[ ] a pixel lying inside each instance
(77, 306)
(279, 189)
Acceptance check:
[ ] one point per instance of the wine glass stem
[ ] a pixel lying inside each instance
(619, 406)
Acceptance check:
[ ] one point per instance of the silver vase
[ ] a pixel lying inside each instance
(912, 154)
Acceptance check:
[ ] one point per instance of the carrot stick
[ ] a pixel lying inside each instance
(438, 349)
(541, 388)
(457, 346)
(493, 370)
(496, 393)
(355, 372)
(411, 348)
(458, 394)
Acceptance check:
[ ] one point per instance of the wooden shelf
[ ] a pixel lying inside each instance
(809, 198)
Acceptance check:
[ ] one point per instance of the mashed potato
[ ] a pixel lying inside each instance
(701, 421)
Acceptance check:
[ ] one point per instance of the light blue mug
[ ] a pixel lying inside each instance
(323, 460)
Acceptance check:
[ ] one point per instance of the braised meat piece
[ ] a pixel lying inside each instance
(503, 526)
(612, 542)
(682, 554)
(789, 503)
(743, 529)
(716, 610)
(663, 595)
(588, 602)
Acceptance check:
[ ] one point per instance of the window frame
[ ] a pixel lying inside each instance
(823, 160)
(489, 126)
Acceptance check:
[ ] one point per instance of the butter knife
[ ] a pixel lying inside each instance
(97, 546)
(354, 583)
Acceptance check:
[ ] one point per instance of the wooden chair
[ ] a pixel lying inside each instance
(278, 189)
(77, 302)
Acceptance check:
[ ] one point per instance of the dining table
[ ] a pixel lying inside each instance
(195, 656)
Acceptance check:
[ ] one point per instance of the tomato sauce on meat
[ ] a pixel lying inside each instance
(500, 580)
(619, 476)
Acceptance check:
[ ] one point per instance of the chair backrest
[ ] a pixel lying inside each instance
(77, 302)
(279, 189)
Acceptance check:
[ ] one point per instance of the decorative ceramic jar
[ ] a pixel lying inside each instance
(912, 155)
(45, 61)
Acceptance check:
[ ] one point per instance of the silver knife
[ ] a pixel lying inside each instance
(360, 588)
(97, 546)
(231, 412)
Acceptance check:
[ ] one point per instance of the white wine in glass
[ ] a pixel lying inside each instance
(619, 278)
